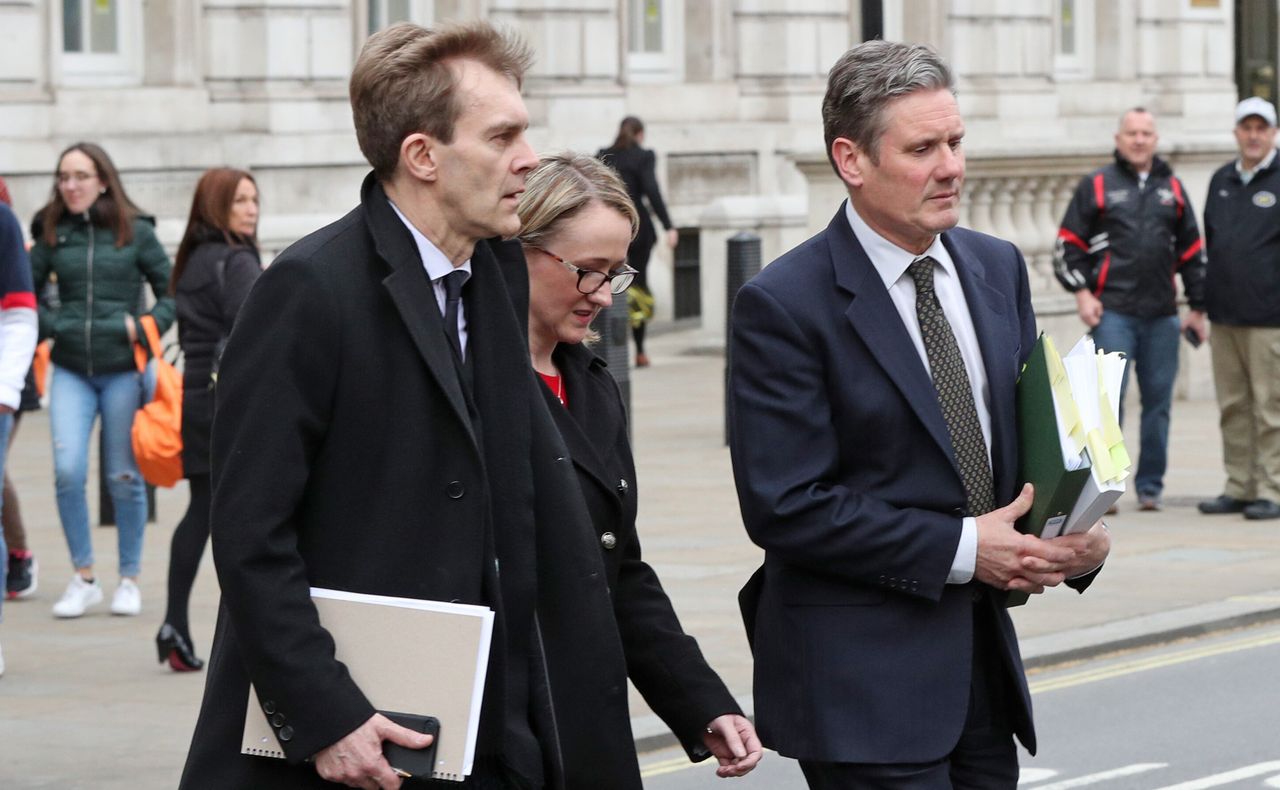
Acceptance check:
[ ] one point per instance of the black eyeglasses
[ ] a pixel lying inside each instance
(590, 280)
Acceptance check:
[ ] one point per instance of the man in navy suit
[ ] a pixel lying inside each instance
(873, 438)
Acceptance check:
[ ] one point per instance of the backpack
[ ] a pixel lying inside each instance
(157, 426)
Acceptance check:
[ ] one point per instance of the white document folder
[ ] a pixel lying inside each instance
(437, 668)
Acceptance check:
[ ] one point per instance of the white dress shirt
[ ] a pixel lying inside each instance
(437, 266)
(891, 263)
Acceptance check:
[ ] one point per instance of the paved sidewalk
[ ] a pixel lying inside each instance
(84, 704)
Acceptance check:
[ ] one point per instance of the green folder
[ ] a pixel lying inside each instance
(1040, 453)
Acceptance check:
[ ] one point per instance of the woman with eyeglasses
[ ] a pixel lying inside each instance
(101, 248)
(576, 224)
(216, 265)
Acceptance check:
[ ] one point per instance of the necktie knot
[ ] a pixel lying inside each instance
(921, 271)
(453, 282)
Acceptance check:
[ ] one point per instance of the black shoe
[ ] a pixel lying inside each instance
(22, 575)
(1262, 509)
(1223, 504)
(176, 648)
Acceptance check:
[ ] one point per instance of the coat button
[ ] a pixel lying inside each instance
(285, 734)
(269, 707)
(622, 486)
(455, 489)
(608, 540)
(278, 720)
(958, 512)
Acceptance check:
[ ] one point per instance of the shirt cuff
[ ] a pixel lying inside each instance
(966, 559)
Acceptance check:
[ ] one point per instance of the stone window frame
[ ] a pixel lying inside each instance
(420, 13)
(1077, 65)
(666, 65)
(121, 68)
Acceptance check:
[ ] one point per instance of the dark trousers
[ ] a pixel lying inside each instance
(985, 757)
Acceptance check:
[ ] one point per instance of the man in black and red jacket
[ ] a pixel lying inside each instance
(1128, 231)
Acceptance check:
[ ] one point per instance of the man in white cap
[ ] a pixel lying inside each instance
(1242, 233)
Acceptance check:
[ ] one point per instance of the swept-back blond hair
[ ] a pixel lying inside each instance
(564, 184)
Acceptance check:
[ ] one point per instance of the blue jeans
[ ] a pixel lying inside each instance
(1151, 344)
(6, 425)
(74, 402)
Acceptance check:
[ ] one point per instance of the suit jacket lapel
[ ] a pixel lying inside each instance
(876, 320)
(412, 294)
(995, 335)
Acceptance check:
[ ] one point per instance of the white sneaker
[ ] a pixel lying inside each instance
(127, 600)
(78, 596)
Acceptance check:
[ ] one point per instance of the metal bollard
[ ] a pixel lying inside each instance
(742, 263)
(614, 325)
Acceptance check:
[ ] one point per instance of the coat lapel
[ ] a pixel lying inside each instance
(589, 422)
(875, 318)
(412, 294)
(995, 335)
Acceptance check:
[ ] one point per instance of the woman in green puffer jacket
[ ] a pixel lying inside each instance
(100, 248)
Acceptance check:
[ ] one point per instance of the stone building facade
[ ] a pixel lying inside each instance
(729, 89)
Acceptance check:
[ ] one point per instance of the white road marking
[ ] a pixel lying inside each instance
(1104, 776)
(1027, 776)
(1227, 777)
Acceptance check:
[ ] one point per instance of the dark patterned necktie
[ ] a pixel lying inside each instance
(453, 282)
(955, 395)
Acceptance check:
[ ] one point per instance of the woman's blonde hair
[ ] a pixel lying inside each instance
(564, 184)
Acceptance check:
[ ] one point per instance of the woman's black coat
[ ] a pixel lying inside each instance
(664, 662)
(215, 281)
(638, 169)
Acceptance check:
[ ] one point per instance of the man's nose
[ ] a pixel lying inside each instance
(526, 158)
(952, 164)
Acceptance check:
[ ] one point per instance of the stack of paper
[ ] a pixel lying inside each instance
(1095, 379)
(1069, 437)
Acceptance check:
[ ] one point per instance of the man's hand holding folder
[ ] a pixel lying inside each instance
(357, 759)
(1025, 564)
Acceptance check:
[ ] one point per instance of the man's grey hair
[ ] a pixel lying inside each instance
(1139, 110)
(866, 79)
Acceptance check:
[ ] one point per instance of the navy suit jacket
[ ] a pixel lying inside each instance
(847, 479)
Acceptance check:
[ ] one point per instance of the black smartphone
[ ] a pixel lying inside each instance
(1191, 336)
(414, 762)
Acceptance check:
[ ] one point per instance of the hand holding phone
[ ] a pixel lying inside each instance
(1190, 334)
(412, 762)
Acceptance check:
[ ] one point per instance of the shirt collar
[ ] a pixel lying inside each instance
(890, 260)
(1258, 168)
(436, 262)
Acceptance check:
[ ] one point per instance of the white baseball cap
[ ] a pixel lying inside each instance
(1258, 106)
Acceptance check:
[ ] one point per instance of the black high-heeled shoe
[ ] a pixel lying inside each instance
(174, 647)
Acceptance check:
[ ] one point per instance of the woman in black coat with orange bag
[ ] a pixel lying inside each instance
(216, 265)
(576, 223)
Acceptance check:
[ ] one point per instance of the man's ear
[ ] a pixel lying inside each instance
(849, 161)
(417, 156)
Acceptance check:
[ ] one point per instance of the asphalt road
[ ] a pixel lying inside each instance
(1193, 715)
